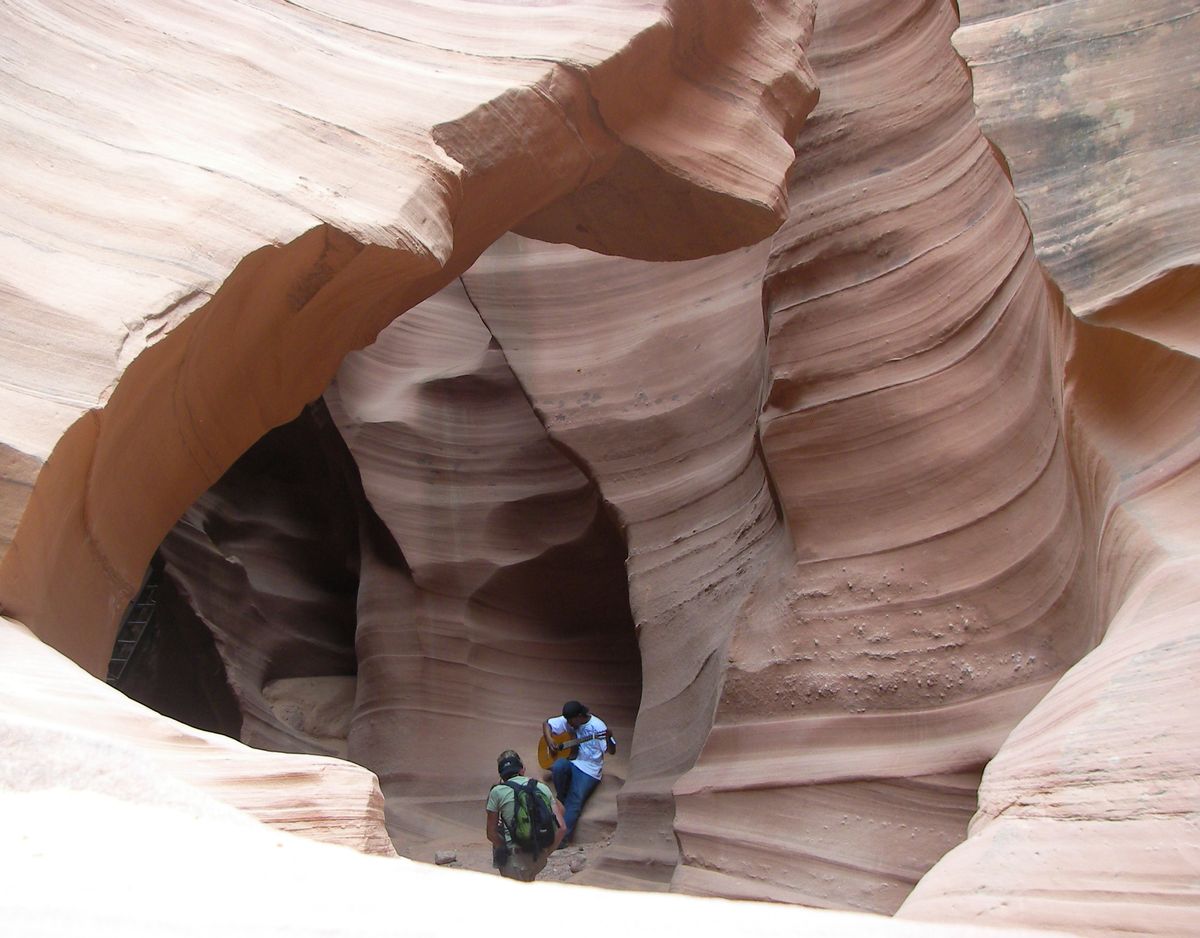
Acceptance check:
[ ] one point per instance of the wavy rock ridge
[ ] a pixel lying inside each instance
(853, 530)
(912, 426)
(356, 246)
(1084, 814)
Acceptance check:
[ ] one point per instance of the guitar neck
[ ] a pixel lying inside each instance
(583, 739)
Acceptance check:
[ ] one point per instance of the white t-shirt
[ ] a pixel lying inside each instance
(591, 753)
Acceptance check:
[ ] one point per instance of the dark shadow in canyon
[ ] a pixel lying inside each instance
(262, 590)
(261, 572)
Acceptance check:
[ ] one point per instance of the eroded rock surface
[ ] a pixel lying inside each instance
(911, 427)
(1095, 109)
(1085, 816)
(64, 730)
(830, 522)
(510, 592)
(338, 202)
(676, 460)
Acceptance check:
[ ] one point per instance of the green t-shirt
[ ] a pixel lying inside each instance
(501, 799)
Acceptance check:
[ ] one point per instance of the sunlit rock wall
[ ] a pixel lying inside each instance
(851, 495)
(511, 596)
(1087, 815)
(318, 189)
(940, 579)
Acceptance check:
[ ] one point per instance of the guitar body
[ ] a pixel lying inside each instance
(546, 758)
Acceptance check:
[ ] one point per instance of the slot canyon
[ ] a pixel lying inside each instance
(805, 385)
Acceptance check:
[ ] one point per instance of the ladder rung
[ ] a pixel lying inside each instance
(139, 615)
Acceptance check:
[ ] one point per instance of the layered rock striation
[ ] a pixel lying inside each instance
(858, 498)
(939, 578)
(507, 587)
(1085, 816)
(295, 253)
(676, 461)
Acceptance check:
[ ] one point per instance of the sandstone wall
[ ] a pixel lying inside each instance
(1085, 816)
(858, 497)
(293, 252)
(940, 578)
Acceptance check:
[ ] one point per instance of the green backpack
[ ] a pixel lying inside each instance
(534, 824)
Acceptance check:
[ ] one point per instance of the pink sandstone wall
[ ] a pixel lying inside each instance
(842, 455)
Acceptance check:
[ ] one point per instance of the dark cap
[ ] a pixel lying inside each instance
(573, 708)
(509, 764)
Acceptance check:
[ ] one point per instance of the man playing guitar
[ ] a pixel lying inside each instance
(576, 777)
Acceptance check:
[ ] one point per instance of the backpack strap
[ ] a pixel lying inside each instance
(530, 786)
(515, 789)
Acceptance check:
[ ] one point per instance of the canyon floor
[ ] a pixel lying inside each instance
(563, 866)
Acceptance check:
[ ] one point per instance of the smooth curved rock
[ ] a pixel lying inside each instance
(1083, 819)
(1086, 815)
(861, 491)
(325, 192)
(508, 595)
(675, 460)
(1095, 108)
(64, 729)
(940, 578)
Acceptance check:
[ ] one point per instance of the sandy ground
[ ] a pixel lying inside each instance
(593, 833)
(563, 865)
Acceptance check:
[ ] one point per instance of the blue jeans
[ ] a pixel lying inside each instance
(574, 786)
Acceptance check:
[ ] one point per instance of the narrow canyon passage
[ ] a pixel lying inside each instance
(726, 457)
(265, 564)
(853, 485)
(417, 621)
(512, 596)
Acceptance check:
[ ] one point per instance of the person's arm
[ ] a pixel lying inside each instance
(562, 824)
(493, 829)
(610, 741)
(548, 733)
(500, 851)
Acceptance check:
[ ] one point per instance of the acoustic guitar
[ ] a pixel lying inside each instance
(569, 745)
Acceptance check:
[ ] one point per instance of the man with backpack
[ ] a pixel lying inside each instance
(524, 821)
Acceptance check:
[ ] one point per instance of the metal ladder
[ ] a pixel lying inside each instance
(136, 625)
